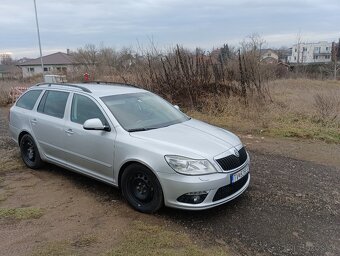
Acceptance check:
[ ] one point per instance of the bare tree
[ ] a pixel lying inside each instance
(87, 57)
(6, 59)
(335, 54)
(298, 46)
(254, 70)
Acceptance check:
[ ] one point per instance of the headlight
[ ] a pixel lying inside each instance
(190, 166)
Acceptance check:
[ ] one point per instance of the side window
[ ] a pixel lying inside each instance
(29, 99)
(53, 103)
(83, 108)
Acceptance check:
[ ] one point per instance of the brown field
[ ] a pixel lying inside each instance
(295, 108)
(298, 108)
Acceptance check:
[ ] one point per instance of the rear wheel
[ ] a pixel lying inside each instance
(141, 188)
(29, 152)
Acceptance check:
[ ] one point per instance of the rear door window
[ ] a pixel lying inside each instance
(53, 103)
(83, 108)
(28, 100)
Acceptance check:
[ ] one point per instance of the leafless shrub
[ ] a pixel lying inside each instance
(5, 88)
(4, 96)
(327, 107)
(255, 73)
(187, 77)
(182, 76)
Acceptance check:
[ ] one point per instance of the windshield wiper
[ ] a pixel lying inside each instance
(142, 129)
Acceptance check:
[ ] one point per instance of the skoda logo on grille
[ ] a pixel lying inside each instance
(236, 153)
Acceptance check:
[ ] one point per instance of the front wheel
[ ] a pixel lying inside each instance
(141, 188)
(29, 152)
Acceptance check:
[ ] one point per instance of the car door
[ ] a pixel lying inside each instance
(90, 151)
(48, 124)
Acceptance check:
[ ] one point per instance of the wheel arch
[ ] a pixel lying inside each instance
(130, 162)
(155, 202)
(22, 133)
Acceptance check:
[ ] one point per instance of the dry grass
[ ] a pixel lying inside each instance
(21, 213)
(85, 241)
(139, 239)
(10, 160)
(65, 247)
(4, 95)
(298, 96)
(299, 108)
(145, 239)
(3, 197)
(55, 248)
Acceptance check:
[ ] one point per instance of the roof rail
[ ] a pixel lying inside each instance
(64, 84)
(111, 83)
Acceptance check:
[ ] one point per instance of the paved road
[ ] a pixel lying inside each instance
(291, 208)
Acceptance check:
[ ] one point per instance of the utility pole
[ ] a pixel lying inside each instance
(335, 50)
(36, 20)
(335, 69)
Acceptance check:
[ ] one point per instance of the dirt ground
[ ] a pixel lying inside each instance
(291, 208)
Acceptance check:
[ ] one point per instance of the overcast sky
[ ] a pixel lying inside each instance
(117, 23)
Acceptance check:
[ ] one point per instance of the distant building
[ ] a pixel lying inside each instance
(307, 53)
(269, 56)
(283, 54)
(56, 63)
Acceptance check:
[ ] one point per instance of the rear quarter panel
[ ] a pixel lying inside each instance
(19, 122)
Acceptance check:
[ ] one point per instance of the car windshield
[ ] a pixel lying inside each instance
(143, 111)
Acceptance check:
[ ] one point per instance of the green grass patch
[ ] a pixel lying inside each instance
(21, 213)
(144, 239)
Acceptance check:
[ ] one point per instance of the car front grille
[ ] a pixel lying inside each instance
(230, 189)
(231, 162)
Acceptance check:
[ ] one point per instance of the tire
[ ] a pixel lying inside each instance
(141, 188)
(30, 153)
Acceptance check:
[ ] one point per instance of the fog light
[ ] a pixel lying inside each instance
(193, 197)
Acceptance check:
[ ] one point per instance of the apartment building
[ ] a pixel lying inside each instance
(307, 53)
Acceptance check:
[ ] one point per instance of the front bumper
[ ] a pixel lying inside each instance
(175, 185)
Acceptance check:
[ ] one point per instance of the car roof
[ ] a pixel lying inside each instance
(94, 89)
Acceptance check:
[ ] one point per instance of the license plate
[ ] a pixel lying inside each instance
(238, 175)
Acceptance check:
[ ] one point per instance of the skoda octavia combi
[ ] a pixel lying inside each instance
(132, 139)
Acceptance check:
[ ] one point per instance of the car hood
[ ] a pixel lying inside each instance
(192, 136)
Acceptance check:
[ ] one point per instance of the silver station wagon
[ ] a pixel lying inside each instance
(132, 139)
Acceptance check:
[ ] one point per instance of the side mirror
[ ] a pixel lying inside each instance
(95, 124)
(177, 107)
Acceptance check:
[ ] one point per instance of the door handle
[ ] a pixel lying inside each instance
(34, 121)
(69, 131)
